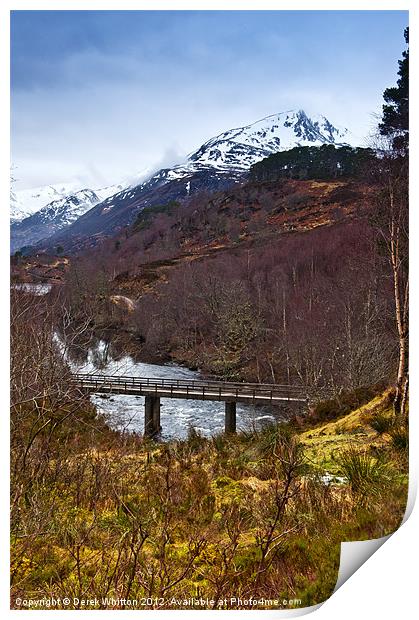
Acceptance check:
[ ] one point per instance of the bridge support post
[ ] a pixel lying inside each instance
(230, 417)
(156, 414)
(152, 416)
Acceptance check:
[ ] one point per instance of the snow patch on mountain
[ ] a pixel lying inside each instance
(67, 209)
(110, 190)
(26, 202)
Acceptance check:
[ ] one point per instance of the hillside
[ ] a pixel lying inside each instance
(234, 222)
(219, 163)
(250, 214)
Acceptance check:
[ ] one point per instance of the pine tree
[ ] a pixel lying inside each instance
(395, 121)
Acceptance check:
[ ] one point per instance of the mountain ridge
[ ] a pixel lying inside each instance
(221, 161)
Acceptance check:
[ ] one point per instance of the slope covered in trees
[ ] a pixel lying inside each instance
(310, 162)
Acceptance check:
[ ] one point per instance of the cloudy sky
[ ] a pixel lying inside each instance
(100, 96)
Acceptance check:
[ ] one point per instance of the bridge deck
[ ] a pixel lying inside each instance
(192, 389)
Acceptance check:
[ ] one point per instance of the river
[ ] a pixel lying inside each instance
(126, 413)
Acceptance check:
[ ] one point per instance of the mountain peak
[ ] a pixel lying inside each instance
(241, 147)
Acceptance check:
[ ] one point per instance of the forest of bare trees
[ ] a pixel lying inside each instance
(315, 309)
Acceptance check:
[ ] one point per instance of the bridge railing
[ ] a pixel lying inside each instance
(201, 388)
(184, 382)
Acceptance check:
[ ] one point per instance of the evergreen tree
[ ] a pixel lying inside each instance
(395, 121)
(313, 162)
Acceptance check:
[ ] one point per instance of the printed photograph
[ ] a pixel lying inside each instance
(209, 303)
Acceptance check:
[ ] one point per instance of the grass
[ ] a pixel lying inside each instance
(237, 516)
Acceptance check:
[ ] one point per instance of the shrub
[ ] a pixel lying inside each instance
(270, 437)
(297, 201)
(382, 423)
(195, 440)
(368, 476)
(400, 438)
(343, 194)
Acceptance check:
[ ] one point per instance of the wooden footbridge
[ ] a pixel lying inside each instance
(154, 388)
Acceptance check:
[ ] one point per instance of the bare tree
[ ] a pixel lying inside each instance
(391, 222)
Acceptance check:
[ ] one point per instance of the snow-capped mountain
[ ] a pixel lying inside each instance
(25, 202)
(236, 150)
(220, 162)
(32, 220)
(52, 217)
